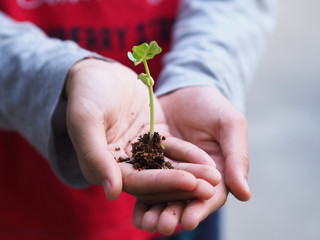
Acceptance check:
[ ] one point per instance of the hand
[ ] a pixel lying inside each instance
(107, 109)
(204, 117)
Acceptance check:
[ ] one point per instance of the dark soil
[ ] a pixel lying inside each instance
(148, 154)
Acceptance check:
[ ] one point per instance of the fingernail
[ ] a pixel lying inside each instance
(106, 184)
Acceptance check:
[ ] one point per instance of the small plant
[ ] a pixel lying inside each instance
(147, 152)
(140, 54)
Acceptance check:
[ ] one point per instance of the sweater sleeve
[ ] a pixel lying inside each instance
(217, 43)
(33, 69)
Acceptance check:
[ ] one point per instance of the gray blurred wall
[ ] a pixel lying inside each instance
(283, 112)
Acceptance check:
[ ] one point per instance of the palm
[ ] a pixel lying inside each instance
(107, 109)
(211, 123)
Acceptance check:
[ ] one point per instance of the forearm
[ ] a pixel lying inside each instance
(33, 69)
(218, 44)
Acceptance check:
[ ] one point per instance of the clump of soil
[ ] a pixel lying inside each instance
(148, 154)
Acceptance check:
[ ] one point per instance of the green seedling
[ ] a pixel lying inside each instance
(140, 54)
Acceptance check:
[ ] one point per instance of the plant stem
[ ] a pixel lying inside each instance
(146, 67)
(151, 113)
(150, 85)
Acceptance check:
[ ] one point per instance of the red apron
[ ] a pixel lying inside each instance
(34, 204)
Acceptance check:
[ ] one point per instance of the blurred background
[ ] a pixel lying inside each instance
(283, 112)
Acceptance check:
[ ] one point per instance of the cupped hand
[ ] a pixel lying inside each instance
(215, 126)
(204, 117)
(108, 107)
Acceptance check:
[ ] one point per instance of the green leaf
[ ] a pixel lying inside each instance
(143, 77)
(144, 51)
(153, 50)
(132, 58)
(151, 81)
(139, 52)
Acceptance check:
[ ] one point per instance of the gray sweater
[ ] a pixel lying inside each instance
(215, 43)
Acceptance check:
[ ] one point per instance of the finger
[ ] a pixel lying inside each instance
(170, 218)
(203, 190)
(205, 172)
(140, 208)
(155, 180)
(87, 134)
(183, 151)
(193, 214)
(234, 145)
(197, 210)
(151, 217)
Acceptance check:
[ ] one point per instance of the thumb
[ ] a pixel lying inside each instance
(99, 167)
(234, 145)
(97, 163)
(236, 174)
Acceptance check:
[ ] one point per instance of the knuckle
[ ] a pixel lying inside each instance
(192, 153)
(87, 163)
(235, 119)
(197, 155)
(244, 161)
